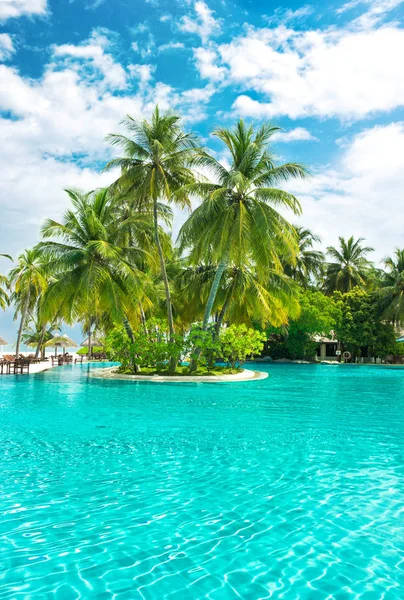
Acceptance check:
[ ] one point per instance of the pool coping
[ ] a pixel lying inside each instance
(246, 375)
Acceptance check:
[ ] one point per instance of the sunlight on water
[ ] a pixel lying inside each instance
(287, 488)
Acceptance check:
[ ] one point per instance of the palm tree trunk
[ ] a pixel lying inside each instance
(89, 347)
(213, 293)
(172, 361)
(143, 320)
(208, 309)
(131, 336)
(223, 311)
(41, 338)
(22, 325)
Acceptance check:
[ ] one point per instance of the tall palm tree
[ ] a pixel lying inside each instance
(350, 266)
(308, 264)
(155, 165)
(28, 279)
(4, 287)
(238, 220)
(392, 292)
(94, 271)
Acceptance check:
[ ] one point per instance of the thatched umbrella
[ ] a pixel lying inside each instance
(61, 341)
(93, 342)
(2, 343)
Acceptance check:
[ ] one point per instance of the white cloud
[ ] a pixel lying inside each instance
(56, 136)
(171, 46)
(143, 72)
(203, 23)
(206, 60)
(361, 194)
(298, 134)
(92, 56)
(18, 8)
(376, 12)
(343, 73)
(6, 46)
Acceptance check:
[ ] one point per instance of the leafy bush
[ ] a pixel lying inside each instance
(94, 350)
(238, 342)
(207, 343)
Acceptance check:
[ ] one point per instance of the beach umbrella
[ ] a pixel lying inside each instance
(2, 343)
(61, 341)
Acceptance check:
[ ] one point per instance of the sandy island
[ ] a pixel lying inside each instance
(246, 375)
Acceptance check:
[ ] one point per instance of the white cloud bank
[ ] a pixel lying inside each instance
(18, 8)
(348, 73)
(362, 194)
(56, 136)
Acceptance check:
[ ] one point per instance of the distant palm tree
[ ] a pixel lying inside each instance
(238, 221)
(309, 263)
(94, 271)
(349, 268)
(29, 280)
(155, 165)
(4, 287)
(392, 292)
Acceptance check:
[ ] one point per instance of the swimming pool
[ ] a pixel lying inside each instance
(291, 487)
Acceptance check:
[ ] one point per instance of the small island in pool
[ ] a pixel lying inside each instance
(182, 375)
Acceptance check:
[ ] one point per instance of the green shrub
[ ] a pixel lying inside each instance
(94, 350)
(238, 342)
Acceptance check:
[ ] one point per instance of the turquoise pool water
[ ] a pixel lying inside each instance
(287, 488)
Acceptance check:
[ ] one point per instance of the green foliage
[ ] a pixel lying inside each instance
(118, 348)
(398, 349)
(319, 315)
(204, 346)
(238, 342)
(361, 325)
(150, 347)
(94, 350)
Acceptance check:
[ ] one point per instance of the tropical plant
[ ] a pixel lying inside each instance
(392, 291)
(28, 279)
(155, 165)
(349, 267)
(238, 220)
(4, 287)
(238, 342)
(95, 273)
(308, 263)
(36, 334)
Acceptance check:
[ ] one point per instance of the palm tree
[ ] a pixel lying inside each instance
(349, 268)
(94, 271)
(29, 280)
(4, 286)
(242, 297)
(155, 165)
(36, 334)
(392, 292)
(238, 221)
(308, 264)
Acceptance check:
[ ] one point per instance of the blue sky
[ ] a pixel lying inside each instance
(330, 74)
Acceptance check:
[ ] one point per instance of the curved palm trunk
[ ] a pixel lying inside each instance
(222, 313)
(41, 339)
(89, 347)
(208, 309)
(172, 362)
(22, 325)
(213, 293)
